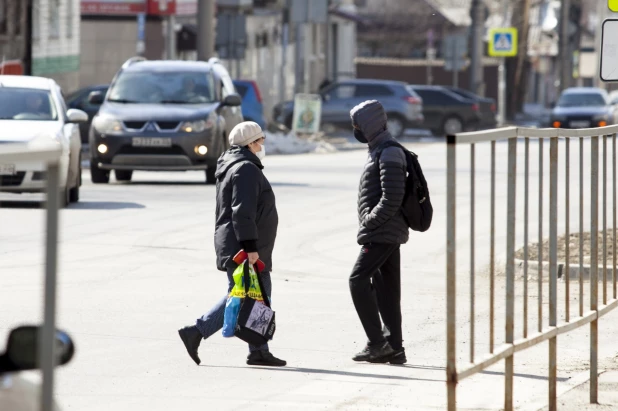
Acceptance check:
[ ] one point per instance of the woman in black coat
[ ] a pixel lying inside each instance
(246, 219)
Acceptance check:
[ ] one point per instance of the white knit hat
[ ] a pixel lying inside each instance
(245, 133)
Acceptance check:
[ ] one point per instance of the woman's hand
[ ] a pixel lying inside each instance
(253, 257)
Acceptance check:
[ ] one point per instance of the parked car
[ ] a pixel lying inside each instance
(447, 112)
(487, 106)
(583, 107)
(32, 110)
(403, 106)
(252, 107)
(163, 116)
(16, 392)
(79, 100)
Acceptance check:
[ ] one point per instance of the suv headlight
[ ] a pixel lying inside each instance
(196, 126)
(601, 117)
(107, 125)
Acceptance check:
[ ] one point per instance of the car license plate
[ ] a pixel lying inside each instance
(580, 124)
(152, 142)
(7, 169)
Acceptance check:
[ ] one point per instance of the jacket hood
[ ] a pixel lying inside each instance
(235, 155)
(370, 117)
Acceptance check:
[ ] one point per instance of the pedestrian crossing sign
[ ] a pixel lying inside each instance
(613, 5)
(503, 42)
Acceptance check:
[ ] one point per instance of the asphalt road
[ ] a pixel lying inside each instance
(137, 263)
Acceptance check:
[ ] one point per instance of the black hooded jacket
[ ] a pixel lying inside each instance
(246, 215)
(382, 186)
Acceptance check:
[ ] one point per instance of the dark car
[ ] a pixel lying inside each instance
(487, 106)
(163, 116)
(583, 107)
(447, 112)
(79, 100)
(402, 104)
(252, 105)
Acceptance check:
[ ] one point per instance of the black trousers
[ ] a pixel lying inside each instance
(375, 285)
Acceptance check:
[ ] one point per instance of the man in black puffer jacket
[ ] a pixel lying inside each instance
(375, 282)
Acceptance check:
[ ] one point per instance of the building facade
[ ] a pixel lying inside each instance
(56, 41)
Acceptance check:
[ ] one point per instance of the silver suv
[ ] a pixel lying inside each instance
(403, 106)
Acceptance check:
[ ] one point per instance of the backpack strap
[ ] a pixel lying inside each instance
(388, 144)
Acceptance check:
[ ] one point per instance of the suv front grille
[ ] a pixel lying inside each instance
(134, 125)
(167, 125)
(12, 181)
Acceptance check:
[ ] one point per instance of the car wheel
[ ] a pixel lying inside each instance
(74, 192)
(210, 175)
(452, 125)
(288, 121)
(395, 126)
(123, 175)
(98, 176)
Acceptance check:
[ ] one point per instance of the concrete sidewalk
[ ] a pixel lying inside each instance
(578, 399)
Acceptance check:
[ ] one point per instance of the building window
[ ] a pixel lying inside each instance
(54, 18)
(36, 26)
(69, 6)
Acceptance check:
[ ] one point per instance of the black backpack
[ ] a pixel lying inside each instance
(416, 207)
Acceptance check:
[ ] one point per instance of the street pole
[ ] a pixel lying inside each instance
(476, 60)
(284, 52)
(205, 29)
(501, 92)
(454, 62)
(565, 58)
(170, 44)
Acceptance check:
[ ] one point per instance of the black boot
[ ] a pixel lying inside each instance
(264, 358)
(191, 337)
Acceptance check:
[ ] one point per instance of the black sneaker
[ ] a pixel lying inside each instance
(398, 357)
(380, 353)
(363, 355)
(264, 358)
(191, 337)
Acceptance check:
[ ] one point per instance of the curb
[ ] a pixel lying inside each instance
(573, 272)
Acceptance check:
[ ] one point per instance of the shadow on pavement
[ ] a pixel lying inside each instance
(105, 205)
(84, 205)
(530, 376)
(330, 372)
(21, 204)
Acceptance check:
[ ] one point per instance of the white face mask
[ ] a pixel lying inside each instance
(262, 153)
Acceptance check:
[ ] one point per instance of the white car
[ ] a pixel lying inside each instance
(33, 109)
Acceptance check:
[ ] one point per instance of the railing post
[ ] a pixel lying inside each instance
(451, 261)
(47, 347)
(553, 261)
(510, 270)
(594, 267)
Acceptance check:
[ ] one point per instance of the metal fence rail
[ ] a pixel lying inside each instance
(48, 154)
(515, 137)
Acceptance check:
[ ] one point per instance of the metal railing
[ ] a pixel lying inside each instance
(515, 138)
(49, 155)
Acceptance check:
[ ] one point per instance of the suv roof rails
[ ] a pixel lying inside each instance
(133, 60)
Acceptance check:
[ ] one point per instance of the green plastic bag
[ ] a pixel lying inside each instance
(239, 284)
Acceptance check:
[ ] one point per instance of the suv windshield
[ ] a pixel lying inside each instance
(581, 100)
(26, 104)
(163, 88)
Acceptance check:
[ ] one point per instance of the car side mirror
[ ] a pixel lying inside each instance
(22, 349)
(552, 104)
(96, 98)
(77, 116)
(233, 100)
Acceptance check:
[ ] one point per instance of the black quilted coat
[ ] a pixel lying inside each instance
(382, 186)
